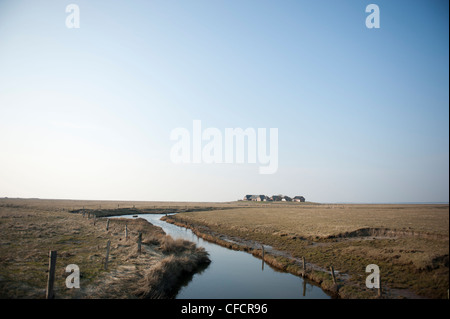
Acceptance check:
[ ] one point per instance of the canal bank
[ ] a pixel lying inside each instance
(234, 273)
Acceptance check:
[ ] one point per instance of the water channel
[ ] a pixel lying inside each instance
(236, 274)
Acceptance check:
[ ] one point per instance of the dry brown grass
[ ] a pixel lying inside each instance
(164, 279)
(410, 243)
(328, 220)
(29, 229)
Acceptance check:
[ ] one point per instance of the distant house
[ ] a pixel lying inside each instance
(259, 198)
(299, 199)
(256, 198)
(277, 198)
(274, 198)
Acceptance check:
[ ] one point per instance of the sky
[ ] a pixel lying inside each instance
(87, 113)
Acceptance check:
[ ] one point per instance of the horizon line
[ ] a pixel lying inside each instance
(190, 201)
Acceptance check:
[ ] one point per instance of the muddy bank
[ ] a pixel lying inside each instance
(347, 285)
(385, 232)
(158, 271)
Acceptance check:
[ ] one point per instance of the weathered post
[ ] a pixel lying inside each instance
(304, 266)
(95, 218)
(51, 275)
(126, 232)
(107, 254)
(332, 274)
(262, 257)
(107, 224)
(139, 242)
(304, 287)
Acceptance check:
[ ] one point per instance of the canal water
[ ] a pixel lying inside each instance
(236, 274)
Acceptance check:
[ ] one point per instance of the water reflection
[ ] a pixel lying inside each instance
(304, 288)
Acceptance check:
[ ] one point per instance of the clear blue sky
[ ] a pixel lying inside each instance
(362, 114)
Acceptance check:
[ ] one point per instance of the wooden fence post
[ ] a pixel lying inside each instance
(139, 242)
(304, 288)
(51, 275)
(332, 274)
(107, 224)
(107, 254)
(262, 257)
(126, 232)
(304, 266)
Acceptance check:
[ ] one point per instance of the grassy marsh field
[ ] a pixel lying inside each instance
(29, 229)
(410, 243)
